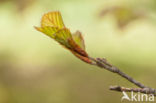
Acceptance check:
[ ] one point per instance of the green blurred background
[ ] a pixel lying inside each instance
(36, 69)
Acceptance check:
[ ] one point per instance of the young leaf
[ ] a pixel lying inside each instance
(77, 36)
(52, 25)
(49, 31)
(76, 48)
(53, 19)
(62, 36)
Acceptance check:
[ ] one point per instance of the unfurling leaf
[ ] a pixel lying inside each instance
(52, 25)
(53, 19)
(77, 36)
(49, 31)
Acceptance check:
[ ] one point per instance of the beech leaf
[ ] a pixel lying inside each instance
(52, 25)
(77, 36)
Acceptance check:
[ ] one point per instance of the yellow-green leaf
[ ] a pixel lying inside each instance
(52, 25)
(49, 31)
(53, 19)
(62, 36)
(77, 36)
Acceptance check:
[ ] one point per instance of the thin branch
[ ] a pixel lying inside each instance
(141, 90)
(102, 63)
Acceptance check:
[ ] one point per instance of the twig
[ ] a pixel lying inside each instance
(102, 63)
(141, 90)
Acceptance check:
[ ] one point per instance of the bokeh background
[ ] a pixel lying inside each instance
(36, 69)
